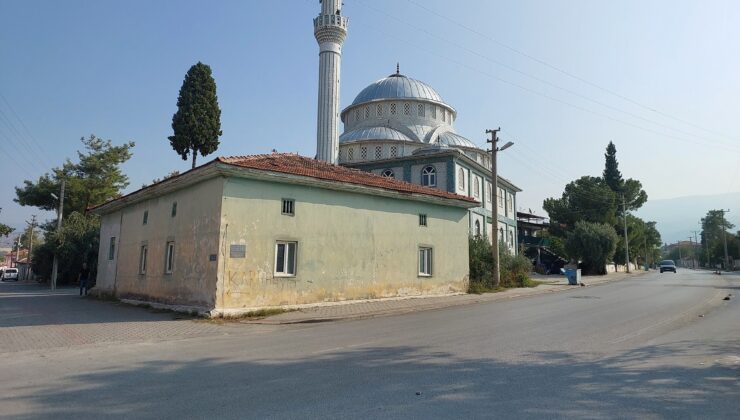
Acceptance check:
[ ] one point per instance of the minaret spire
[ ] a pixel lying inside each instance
(330, 30)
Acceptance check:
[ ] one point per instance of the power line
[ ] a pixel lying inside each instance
(34, 142)
(562, 71)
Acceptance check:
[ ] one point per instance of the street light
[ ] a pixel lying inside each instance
(494, 208)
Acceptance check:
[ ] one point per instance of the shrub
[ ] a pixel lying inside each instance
(514, 268)
(592, 243)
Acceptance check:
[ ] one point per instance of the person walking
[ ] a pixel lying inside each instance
(83, 278)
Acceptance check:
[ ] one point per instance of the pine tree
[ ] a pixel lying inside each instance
(612, 176)
(197, 122)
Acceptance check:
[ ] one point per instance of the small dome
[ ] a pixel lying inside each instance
(452, 139)
(373, 133)
(397, 86)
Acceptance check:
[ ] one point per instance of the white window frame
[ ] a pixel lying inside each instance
(489, 192)
(426, 261)
(143, 258)
(430, 172)
(286, 258)
(476, 187)
(461, 179)
(388, 173)
(169, 261)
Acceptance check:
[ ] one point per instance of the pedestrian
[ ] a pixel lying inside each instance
(83, 278)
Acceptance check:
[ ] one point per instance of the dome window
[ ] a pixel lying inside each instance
(388, 173)
(351, 154)
(367, 112)
(420, 110)
(357, 114)
(379, 110)
(434, 112)
(393, 109)
(394, 151)
(378, 152)
(444, 114)
(363, 152)
(429, 176)
(406, 108)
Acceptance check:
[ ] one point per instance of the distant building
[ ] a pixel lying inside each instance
(535, 246)
(258, 231)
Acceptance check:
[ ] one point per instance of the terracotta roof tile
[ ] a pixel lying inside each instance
(294, 164)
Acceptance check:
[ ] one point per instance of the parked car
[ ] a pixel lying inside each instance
(667, 265)
(10, 274)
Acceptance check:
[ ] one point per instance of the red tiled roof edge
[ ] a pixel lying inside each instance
(294, 164)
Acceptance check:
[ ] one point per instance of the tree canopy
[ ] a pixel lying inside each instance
(587, 198)
(593, 244)
(197, 122)
(94, 179)
(612, 176)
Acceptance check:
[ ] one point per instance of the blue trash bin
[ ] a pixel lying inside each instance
(572, 275)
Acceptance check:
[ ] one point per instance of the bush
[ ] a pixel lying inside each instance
(593, 244)
(514, 268)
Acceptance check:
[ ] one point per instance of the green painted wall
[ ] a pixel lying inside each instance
(350, 246)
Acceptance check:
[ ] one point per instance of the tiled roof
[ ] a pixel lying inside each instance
(298, 165)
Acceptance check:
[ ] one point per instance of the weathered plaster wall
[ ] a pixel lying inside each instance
(110, 227)
(195, 231)
(350, 246)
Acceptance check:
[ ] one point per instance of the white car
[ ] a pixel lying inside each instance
(10, 274)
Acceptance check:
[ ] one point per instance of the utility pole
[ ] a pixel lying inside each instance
(494, 208)
(724, 236)
(680, 258)
(698, 244)
(60, 213)
(647, 267)
(32, 223)
(691, 248)
(626, 239)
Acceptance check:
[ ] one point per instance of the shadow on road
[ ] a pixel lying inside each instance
(405, 382)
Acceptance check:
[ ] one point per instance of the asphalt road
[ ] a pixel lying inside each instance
(657, 346)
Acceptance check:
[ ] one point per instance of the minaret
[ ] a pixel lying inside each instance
(330, 29)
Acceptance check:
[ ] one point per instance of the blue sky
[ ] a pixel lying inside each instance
(114, 68)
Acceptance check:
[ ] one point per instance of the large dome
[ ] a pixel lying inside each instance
(397, 86)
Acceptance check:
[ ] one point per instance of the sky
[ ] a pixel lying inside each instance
(561, 79)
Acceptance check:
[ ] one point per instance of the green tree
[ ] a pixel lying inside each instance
(94, 179)
(76, 242)
(197, 122)
(612, 176)
(593, 244)
(712, 235)
(5, 230)
(587, 198)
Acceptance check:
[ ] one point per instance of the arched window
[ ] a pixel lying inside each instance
(477, 228)
(476, 187)
(461, 179)
(367, 112)
(406, 108)
(393, 108)
(429, 176)
(420, 110)
(379, 110)
(388, 173)
(378, 152)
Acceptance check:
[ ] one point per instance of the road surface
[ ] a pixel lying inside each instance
(656, 346)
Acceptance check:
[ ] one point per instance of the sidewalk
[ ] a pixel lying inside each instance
(336, 311)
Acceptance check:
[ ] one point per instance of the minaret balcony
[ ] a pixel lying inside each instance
(323, 21)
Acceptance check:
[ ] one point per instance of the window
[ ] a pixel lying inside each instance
(112, 248)
(351, 154)
(510, 239)
(393, 109)
(367, 112)
(378, 152)
(477, 228)
(476, 187)
(388, 173)
(406, 108)
(169, 260)
(363, 152)
(425, 261)
(288, 207)
(174, 209)
(142, 259)
(434, 112)
(357, 114)
(379, 110)
(146, 217)
(461, 179)
(394, 151)
(501, 198)
(488, 192)
(510, 204)
(429, 176)
(285, 253)
(444, 114)
(422, 220)
(420, 110)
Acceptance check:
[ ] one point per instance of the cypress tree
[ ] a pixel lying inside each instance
(612, 176)
(197, 122)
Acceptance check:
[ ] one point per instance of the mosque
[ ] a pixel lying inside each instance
(384, 210)
(399, 127)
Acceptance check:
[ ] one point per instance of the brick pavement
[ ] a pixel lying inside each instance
(34, 318)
